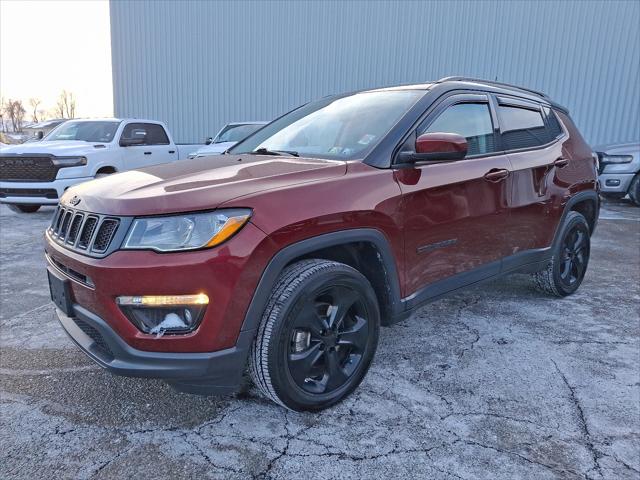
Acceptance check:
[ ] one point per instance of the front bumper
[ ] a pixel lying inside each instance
(37, 193)
(202, 373)
(615, 182)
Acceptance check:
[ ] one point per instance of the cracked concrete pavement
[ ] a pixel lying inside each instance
(496, 382)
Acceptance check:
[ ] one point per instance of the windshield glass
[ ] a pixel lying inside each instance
(235, 133)
(334, 128)
(85, 131)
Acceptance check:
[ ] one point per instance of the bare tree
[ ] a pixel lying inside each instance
(15, 112)
(34, 102)
(66, 106)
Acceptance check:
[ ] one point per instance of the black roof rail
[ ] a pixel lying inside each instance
(491, 82)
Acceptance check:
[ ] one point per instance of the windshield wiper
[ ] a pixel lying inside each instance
(264, 151)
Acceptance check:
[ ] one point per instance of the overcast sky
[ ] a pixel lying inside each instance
(47, 46)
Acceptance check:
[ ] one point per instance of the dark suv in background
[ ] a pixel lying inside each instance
(289, 252)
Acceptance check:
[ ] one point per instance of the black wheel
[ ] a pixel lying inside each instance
(24, 208)
(567, 268)
(634, 190)
(317, 336)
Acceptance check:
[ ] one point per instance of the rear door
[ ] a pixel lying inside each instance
(530, 135)
(157, 148)
(455, 213)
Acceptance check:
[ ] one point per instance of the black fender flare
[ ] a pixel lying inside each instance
(591, 195)
(281, 259)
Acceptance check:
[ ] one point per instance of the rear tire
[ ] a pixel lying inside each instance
(24, 208)
(565, 272)
(317, 336)
(634, 190)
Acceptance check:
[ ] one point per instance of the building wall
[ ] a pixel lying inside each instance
(198, 65)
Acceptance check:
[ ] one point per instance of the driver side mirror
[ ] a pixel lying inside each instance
(209, 141)
(436, 147)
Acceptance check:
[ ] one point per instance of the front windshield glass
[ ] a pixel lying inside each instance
(334, 128)
(99, 131)
(235, 133)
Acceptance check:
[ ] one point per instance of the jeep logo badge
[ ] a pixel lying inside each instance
(75, 200)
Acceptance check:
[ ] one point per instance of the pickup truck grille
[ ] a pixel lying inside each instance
(14, 168)
(87, 233)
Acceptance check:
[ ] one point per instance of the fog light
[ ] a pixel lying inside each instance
(160, 314)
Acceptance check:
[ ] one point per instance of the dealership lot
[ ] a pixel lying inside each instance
(495, 382)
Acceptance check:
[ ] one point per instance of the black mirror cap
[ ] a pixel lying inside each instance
(209, 141)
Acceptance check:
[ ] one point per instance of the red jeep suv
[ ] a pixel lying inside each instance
(285, 254)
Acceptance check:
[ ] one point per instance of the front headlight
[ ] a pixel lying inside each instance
(185, 232)
(69, 161)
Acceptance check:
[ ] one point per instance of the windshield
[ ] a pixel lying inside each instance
(334, 128)
(85, 131)
(235, 133)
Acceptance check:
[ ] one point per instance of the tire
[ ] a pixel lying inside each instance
(24, 208)
(565, 272)
(634, 190)
(317, 336)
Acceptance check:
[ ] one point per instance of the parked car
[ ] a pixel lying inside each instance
(226, 138)
(38, 173)
(620, 171)
(345, 214)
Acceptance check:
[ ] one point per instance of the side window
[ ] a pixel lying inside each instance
(555, 130)
(472, 121)
(153, 134)
(521, 127)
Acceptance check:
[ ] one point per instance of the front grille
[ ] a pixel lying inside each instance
(49, 193)
(105, 234)
(95, 336)
(27, 168)
(88, 233)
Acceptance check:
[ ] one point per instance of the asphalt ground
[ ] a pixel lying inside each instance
(499, 381)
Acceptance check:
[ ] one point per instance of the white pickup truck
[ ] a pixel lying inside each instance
(38, 173)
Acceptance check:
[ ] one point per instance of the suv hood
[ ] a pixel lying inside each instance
(198, 184)
(57, 147)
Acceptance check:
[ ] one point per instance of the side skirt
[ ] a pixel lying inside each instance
(529, 261)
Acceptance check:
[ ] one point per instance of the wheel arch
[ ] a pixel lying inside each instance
(108, 169)
(365, 249)
(587, 204)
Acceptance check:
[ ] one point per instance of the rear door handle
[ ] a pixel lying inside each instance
(147, 153)
(496, 174)
(172, 151)
(561, 162)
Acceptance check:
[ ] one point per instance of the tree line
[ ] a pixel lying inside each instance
(13, 112)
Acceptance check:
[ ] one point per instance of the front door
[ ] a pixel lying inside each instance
(455, 213)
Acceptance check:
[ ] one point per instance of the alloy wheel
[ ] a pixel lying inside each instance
(328, 339)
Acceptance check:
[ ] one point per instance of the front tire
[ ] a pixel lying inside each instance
(317, 336)
(565, 272)
(24, 208)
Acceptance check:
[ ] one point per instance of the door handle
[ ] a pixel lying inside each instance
(496, 174)
(172, 151)
(147, 153)
(561, 162)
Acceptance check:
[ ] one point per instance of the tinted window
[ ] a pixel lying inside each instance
(336, 128)
(555, 130)
(472, 121)
(521, 127)
(153, 133)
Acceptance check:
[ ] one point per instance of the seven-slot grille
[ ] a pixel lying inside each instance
(84, 232)
(27, 169)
